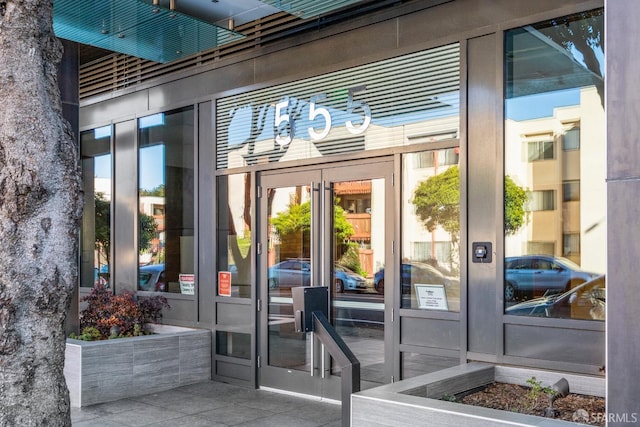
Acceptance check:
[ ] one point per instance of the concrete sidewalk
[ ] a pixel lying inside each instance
(210, 404)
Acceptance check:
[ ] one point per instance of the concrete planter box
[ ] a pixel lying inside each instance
(414, 401)
(103, 371)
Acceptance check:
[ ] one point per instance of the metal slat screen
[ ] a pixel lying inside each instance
(405, 100)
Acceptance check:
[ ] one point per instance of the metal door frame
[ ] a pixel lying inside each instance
(320, 177)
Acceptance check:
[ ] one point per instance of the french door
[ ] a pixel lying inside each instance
(325, 227)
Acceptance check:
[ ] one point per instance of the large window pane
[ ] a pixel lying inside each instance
(96, 222)
(430, 270)
(234, 231)
(166, 201)
(555, 162)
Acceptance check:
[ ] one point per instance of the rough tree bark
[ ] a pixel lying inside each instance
(39, 219)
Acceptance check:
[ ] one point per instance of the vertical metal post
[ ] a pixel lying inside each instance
(312, 260)
(344, 357)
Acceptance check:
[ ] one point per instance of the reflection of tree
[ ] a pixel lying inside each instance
(295, 224)
(437, 202)
(583, 32)
(297, 218)
(148, 230)
(242, 262)
(158, 191)
(103, 227)
(514, 200)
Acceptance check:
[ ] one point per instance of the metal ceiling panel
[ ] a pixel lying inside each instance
(221, 12)
(309, 8)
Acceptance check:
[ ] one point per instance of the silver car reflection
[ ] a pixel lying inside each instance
(151, 278)
(297, 272)
(535, 275)
(585, 301)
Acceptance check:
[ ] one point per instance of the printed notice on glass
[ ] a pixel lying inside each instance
(187, 283)
(224, 283)
(433, 297)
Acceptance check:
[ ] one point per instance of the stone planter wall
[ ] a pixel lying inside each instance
(414, 401)
(103, 371)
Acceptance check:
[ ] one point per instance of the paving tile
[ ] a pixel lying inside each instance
(78, 415)
(337, 423)
(235, 414)
(279, 420)
(273, 402)
(188, 421)
(183, 402)
(317, 411)
(211, 387)
(145, 415)
(114, 407)
(98, 422)
(211, 404)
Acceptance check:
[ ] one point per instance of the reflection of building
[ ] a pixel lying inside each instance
(103, 186)
(355, 198)
(558, 161)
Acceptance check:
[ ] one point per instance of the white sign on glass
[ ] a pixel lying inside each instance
(433, 297)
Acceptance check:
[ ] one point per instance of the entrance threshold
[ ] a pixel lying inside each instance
(301, 395)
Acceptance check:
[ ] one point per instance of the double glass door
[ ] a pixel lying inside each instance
(325, 227)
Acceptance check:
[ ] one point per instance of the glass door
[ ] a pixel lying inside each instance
(325, 227)
(288, 206)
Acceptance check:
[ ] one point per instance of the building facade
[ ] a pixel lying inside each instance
(443, 167)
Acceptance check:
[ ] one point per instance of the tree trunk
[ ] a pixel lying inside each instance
(40, 207)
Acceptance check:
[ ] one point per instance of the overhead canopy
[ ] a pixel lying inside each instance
(163, 34)
(136, 28)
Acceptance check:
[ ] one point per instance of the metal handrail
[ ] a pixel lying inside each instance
(342, 354)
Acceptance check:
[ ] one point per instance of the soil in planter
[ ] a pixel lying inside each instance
(510, 397)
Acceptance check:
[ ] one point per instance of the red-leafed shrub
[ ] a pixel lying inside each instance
(117, 316)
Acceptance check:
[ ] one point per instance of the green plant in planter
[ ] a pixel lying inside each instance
(88, 334)
(537, 390)
(449, 397)
(118, 316)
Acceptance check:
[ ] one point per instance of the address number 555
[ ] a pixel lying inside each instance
(319, 113)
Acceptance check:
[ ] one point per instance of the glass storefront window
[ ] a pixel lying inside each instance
(166, 201)
(234, 231)
(430, 269)
(555, 162)
(96, 222)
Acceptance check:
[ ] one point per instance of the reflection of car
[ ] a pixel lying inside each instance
(151, 278)
(414, 272)
(585, 301)
(347, 280)
(539, 274)
(295, 272)
(289, 273)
